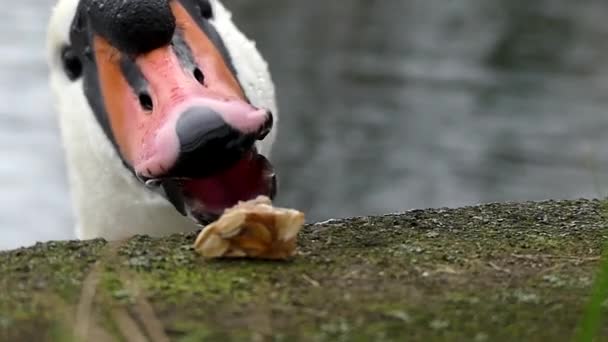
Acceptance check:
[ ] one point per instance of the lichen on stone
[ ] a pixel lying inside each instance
(496, 272)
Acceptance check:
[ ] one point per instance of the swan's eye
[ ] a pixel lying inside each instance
(71, 63)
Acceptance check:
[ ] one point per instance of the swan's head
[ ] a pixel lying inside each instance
(161, 85)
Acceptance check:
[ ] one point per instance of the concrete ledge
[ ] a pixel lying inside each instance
(508, 272)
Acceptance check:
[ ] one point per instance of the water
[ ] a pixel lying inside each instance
(386, 106)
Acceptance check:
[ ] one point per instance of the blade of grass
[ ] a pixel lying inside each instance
(591, 321)
(589, 325)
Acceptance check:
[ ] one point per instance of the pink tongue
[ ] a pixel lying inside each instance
(246, 180)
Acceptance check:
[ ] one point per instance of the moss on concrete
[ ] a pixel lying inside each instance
(492, 272)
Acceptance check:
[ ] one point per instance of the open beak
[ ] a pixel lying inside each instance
(182, 122)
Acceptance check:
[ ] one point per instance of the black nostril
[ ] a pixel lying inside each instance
(198, 74)
(266, 128)
(145, 100)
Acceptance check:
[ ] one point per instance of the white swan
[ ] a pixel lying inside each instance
(123, 74)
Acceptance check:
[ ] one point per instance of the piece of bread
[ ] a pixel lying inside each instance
(252, 229)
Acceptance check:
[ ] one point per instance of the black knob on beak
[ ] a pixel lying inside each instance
(133, 26)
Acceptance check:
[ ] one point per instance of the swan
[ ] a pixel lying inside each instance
(167, 114)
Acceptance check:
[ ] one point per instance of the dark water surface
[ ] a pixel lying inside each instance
(386, 106)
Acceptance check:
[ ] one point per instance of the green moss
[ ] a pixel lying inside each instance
(192, 332)
(492, 272)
